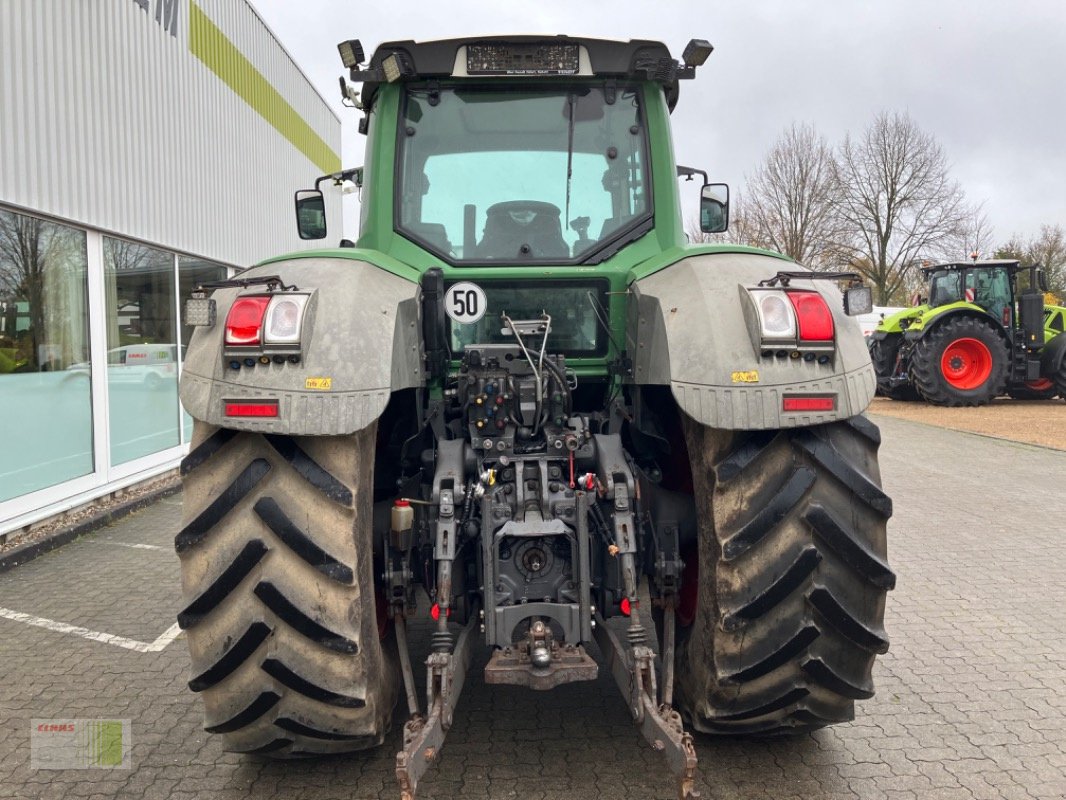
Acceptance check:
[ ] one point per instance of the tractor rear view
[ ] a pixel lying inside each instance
(975, 338)
(519, 404)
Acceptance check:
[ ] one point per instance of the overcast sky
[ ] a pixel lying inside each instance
(987, 79)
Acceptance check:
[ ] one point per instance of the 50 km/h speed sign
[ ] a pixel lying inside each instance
(465, 302)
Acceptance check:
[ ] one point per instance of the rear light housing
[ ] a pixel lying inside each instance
(275, 323)
(792, 320)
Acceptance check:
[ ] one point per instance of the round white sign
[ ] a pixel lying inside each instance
(465, 302)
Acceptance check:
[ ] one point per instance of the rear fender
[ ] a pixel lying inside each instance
(694, 331)
(928, 324)
(929, 318)
(893, 323)
(364, 338)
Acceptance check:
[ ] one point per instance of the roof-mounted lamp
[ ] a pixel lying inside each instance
(696, 52)
(351, 53)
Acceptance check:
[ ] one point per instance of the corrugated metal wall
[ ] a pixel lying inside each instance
(108, 118)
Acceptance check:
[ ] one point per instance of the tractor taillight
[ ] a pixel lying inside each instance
(284, 318)
(815, 318)
(625, 607)
(266, 320)
(244, 323)
(776, 317)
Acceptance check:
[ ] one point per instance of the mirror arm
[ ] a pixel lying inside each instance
(688, 172)
(355, 174)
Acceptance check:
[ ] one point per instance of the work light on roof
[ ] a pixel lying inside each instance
(696, 52)
(395, 66)
(351, 53)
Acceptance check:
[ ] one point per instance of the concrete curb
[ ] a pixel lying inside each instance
(23, 554)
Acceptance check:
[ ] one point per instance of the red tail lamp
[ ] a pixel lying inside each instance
(244, 323)
(814, 317)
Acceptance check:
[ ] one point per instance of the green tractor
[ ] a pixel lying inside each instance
(523, 406)
(975, 338)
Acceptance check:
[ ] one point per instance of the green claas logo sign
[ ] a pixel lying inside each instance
(80, 744)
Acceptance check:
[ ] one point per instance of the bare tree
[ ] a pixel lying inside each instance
(975, 237)
(790, 199)
(896, 201)
(1047, 248)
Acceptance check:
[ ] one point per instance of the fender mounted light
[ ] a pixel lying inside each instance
(244, 322)
(270, 321)
(815, 318)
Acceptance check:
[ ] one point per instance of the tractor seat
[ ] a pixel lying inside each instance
(513, 225)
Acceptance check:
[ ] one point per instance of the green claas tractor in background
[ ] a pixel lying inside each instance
(975, 338)
(520, 403)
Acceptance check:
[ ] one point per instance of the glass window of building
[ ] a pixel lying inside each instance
(142, 350)
(193, 271)
(45, 385)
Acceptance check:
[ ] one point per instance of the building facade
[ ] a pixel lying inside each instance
(145, 146)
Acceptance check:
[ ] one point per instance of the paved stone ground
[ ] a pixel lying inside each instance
(971, 698)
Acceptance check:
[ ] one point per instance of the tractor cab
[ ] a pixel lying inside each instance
(990, 285)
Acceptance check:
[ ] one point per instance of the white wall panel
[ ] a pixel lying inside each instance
(108, 120)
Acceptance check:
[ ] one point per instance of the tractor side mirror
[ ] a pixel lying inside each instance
(311, 214)
(858, 300)
(714, 208)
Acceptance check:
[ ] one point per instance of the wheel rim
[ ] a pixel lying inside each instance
(1041, 385)
(966, 363)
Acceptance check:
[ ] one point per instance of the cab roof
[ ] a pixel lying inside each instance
(1009, 263)
(637, 59)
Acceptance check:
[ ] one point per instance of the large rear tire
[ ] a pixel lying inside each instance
(1060, 379)
(792, 578)
(962, 362)
(884, 353)
(276, 561)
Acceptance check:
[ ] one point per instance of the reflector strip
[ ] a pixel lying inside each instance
(267, 408)
(825, 403)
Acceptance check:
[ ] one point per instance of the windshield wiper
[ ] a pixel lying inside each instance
(571, 101)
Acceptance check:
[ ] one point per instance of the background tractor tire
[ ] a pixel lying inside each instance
(883, 354)
(1060, 379)
(1043, 389)
(792, 578)
(276, 565)
(962, 362)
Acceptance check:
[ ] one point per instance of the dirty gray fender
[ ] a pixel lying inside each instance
(696, 332)
(363, 337)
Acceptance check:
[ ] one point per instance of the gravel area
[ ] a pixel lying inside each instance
(93, 514)
(1041, 422)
